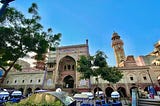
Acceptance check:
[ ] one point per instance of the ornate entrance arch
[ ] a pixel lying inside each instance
(66, 72)
(68, 82)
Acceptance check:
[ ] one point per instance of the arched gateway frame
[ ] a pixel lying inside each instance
(67, 72)
(68, 82)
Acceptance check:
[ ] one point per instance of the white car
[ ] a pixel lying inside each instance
(90, 94)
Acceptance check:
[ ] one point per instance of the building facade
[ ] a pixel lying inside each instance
(60, 70)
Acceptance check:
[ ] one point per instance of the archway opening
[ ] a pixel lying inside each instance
(122, 92)
(68, 82)
(108, 91)
(97, 89)
(146, 89)
(29, 91)
(21, 89)
(98, 92)
(37, 89)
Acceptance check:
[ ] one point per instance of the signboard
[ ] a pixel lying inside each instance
(82, 82)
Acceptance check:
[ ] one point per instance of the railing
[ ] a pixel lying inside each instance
(148, 102)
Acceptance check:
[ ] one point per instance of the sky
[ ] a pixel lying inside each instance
(136, 21)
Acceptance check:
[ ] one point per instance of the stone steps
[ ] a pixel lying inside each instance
(148, 102)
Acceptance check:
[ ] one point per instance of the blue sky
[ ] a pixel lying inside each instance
(136, 21)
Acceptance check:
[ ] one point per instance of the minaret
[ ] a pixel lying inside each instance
(117, 45)
(157, 48)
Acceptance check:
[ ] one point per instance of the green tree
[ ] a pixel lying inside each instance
(111, 74)
(98, 67)
(20, 35)
(84, 67)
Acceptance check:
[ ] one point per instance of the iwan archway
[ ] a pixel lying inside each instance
(67, 72)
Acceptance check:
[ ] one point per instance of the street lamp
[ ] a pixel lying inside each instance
(4, 5)
(153, 89)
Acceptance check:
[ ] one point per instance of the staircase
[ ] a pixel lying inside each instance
(148, 102)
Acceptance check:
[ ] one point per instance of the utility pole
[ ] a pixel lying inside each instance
(5, 3)
(150, 78)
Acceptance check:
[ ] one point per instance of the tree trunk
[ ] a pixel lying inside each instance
(6, 71)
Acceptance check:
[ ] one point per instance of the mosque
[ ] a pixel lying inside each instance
(59, 70)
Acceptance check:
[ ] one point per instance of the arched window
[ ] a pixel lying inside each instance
(72, 67)
(7, 82)
(65, 67)
(131, 78)
(39, 81)
(69, 67)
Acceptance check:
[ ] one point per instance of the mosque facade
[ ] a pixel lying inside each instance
(59, 70)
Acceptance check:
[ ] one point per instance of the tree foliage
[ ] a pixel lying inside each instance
(20, 35)
(84, 67)
(99, 67)
(112, 74)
